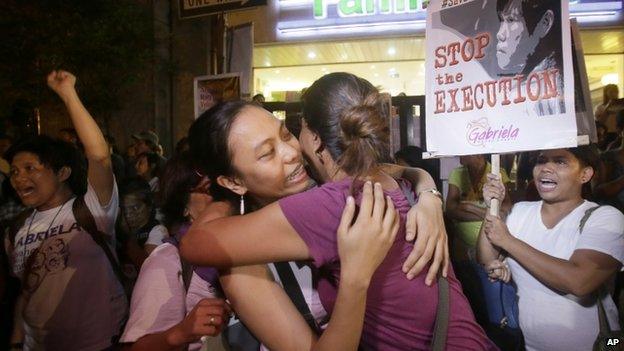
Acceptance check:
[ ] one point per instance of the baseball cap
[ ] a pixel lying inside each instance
(147, 135)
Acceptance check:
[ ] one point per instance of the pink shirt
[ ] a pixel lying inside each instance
(159, 300)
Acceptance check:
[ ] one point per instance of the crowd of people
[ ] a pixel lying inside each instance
(256, 236)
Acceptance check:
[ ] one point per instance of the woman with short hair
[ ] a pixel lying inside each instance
(562, 252)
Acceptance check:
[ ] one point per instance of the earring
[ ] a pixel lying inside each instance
(242, 204)
(320, 157)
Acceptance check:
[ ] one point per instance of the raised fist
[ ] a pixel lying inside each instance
(62, 82)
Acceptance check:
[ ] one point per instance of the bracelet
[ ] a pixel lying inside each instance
(433, 191)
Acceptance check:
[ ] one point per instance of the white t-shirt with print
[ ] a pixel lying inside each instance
(159, 300)
(549, 319)
(74, 301)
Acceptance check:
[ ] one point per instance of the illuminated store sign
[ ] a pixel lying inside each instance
(337, 18)
(349, 8)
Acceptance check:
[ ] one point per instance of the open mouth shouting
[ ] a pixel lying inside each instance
(25, 191)
(545, 184)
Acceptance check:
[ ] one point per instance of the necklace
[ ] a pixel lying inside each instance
(32, 219)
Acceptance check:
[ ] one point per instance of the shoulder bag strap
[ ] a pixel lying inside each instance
(602, 315)
(292, 288)
(87, 223)
(588, 213)
(440, 330)
(603, 321)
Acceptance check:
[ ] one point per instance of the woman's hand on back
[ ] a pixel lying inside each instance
(363, 244)
(426, 218)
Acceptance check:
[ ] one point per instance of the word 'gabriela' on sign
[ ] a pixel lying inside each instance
(539, 85)
(348, 8)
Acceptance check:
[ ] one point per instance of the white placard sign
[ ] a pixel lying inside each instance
(499, 76)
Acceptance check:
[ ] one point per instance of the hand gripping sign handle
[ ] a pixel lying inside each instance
(495, 203)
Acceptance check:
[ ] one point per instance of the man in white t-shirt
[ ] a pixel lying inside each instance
(71, 299)
(557, 265)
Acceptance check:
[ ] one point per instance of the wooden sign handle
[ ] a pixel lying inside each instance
(495, 203)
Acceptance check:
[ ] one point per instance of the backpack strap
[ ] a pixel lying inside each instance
(292, 288)
(85, 220)
(187, 273)
(186, 267)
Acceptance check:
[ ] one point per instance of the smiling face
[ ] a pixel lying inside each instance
(266, 157)
(559, 176)
(515, 43)
(36, 184)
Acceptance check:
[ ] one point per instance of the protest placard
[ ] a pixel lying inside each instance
(499, 77)
(210, 90)
(585, 123)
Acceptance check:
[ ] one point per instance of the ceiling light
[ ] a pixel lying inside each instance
(372, 67)
(277, 71)
(391, 51)
(267, 63)
(611, 78)
(311, 55)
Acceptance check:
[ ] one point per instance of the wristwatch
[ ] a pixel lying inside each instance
(433, 191)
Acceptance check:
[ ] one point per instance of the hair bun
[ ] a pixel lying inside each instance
(348, 114)
(363, 120)
(365, 134)
(358, 122)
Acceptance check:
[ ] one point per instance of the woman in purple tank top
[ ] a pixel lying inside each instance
(345, 139)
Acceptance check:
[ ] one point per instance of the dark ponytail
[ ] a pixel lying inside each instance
(348, 115)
